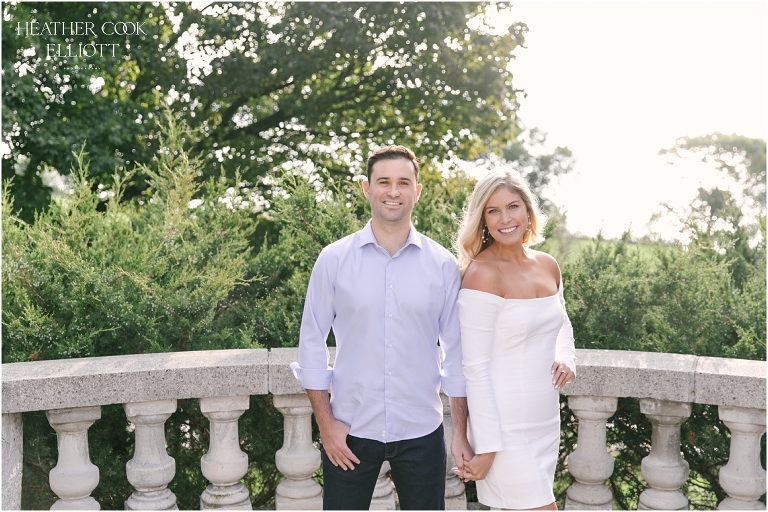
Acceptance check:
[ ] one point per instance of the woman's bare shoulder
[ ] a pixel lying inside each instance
(481, 275)
(547, 263)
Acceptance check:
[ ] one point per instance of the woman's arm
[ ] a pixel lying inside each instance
(478, 313)
(564, 367)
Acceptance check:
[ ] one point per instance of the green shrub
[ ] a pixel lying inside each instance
(97, 276)
(304, 223)
(672, 299)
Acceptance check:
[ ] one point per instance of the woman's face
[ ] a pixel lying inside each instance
(506, 216)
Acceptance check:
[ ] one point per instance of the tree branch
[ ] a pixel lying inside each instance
(226, 117)
(143, 82)
(261, 125)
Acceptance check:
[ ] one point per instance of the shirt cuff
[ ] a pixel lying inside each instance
(311, 378)
(454, 385)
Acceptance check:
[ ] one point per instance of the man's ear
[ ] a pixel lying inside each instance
(418, 191)
(366, 187)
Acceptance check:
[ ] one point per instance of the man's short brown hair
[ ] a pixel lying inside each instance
(393, 153)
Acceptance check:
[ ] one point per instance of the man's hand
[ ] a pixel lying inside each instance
(333, 433)
(461, 451)
(334, 437)
(460, 448)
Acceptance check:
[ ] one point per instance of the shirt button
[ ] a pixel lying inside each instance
(390, 315)
(390, 344)
(383, 432)
(389, 401)
(390, 286)
(389, 373)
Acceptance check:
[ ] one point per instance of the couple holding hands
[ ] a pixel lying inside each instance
(492, 331)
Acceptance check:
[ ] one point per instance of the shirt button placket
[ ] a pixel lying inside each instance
(389, 304)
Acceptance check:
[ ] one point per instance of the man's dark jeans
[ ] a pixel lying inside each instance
(417, 469)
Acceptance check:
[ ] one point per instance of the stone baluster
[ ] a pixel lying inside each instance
(151, 469)
(743, 478)
(455, 497)
(298, 459)
(74, 477)
(13, 447)
(225, 463)
(383, 493)
(590, 464)
(664, 468)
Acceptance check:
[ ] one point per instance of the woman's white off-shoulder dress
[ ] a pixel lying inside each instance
(509, 346)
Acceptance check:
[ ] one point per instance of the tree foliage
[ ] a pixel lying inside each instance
(732, 228)
(526, 155)
(743, 158)
(662, 299)
(270, 85)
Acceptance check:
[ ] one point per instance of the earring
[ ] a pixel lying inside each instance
(486, 235)
(529, 226)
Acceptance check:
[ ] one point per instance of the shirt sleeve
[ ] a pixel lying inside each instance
(478, 329)
(565, 350)
(452, 374)
(312, 370)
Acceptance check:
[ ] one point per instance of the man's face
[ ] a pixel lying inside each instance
(392, 190)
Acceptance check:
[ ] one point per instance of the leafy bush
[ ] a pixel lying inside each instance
(96, 276)
(305, 222)
(663, 299)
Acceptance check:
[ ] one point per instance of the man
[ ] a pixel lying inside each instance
(390, 294)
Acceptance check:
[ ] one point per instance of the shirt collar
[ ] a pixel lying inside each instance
(367, 237)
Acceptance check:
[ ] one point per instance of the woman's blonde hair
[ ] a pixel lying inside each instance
(469, 242)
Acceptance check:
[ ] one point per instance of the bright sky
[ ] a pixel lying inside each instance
(617, 81)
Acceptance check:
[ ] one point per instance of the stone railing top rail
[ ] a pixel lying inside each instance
(676, 377)
(63, 383)
(59, 384)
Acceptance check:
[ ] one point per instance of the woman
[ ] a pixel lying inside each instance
(517, 346)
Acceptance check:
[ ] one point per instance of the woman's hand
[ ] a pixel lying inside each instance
(561, 375)
(477, 468)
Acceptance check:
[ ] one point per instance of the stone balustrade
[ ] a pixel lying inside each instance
(666, 385)
(73, 391)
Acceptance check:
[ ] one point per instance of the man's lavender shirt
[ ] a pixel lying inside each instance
(387, 314)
